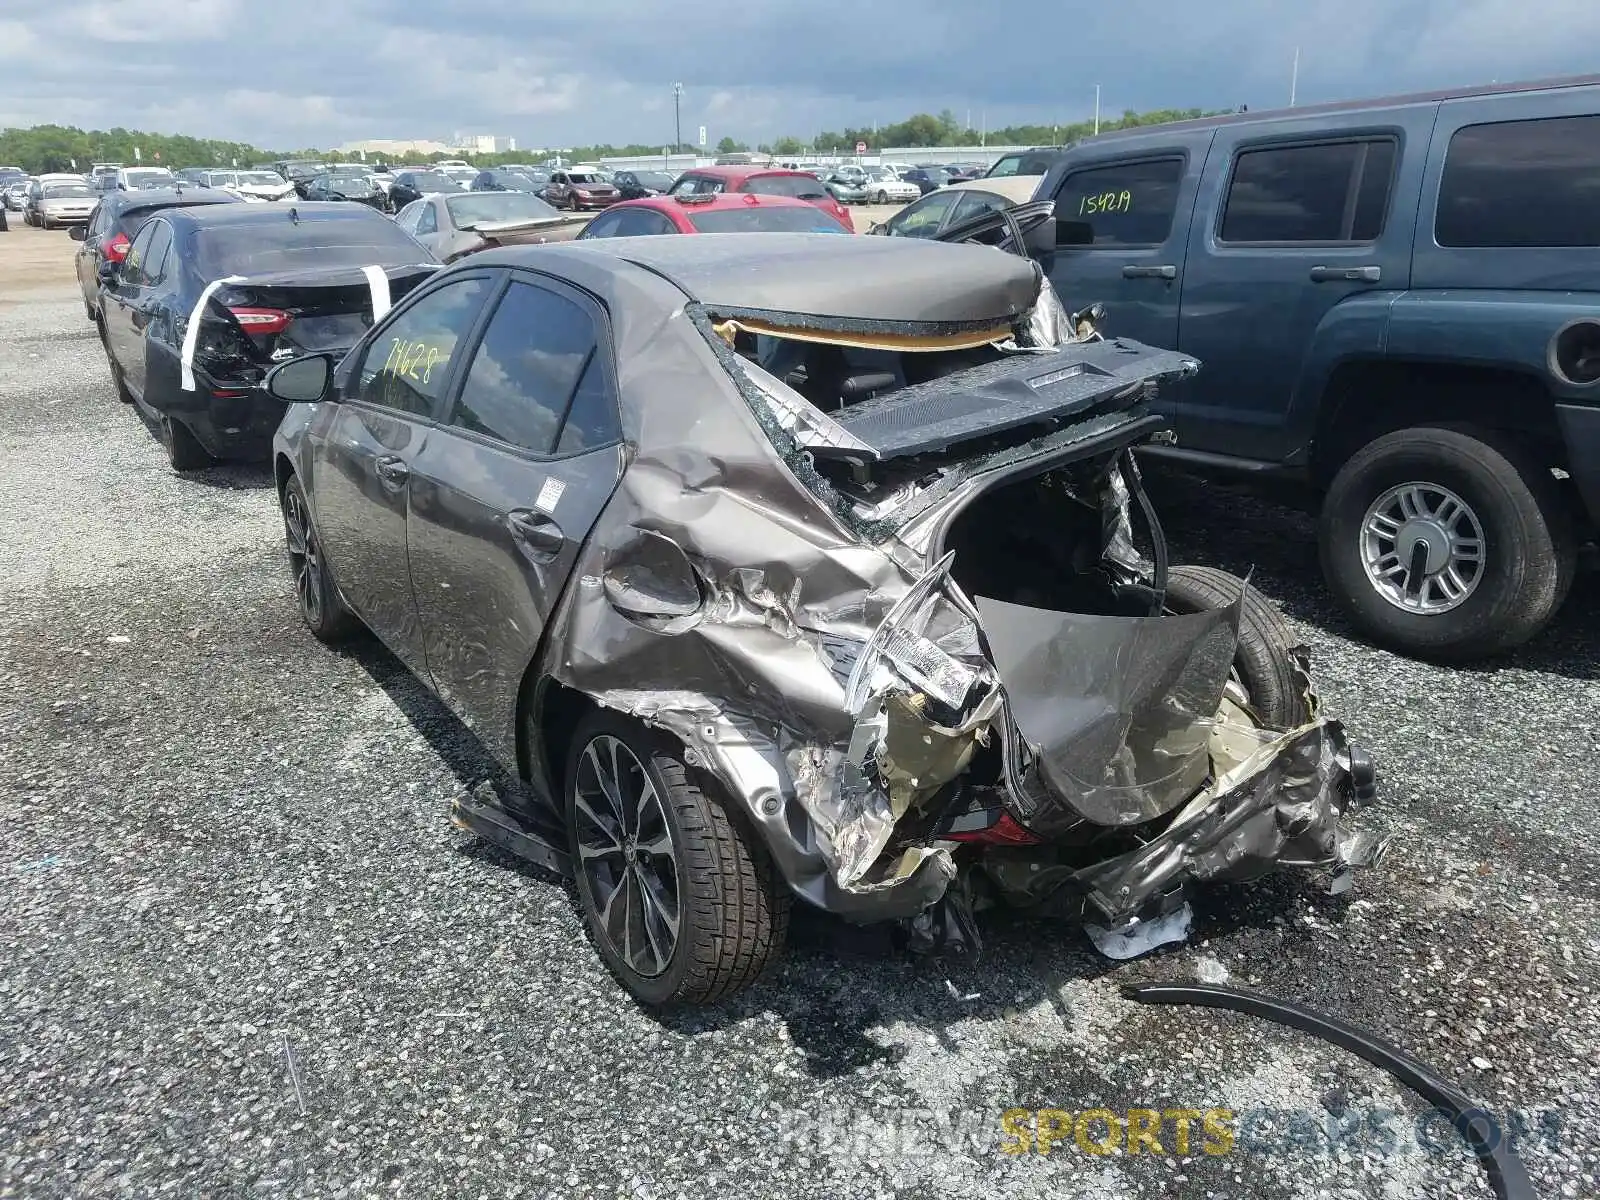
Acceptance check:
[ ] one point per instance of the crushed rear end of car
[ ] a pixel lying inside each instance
(909, 627)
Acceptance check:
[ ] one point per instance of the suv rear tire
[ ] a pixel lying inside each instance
(732, 908)
(1412, 483)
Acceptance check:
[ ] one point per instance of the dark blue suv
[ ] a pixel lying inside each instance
(1397, 301)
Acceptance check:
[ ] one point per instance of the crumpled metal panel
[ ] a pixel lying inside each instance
(1283, 806)
(1116, 709)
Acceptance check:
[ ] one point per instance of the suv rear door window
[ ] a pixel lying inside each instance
(1522, 183)
(1124, 204)
(1334, 192)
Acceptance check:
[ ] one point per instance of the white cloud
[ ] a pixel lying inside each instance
(294, 73)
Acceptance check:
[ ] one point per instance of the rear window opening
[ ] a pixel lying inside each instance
(798, 187)
(765, 220)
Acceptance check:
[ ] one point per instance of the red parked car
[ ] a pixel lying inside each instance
(761, 181)
(712, 212)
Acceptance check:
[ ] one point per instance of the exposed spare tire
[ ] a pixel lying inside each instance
(1265, 661)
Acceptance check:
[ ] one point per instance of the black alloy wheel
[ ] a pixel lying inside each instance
(321, 607)
(683, 905)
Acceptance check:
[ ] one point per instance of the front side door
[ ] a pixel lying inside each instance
(1122, 223)
(505, 492)
(362, 458)
(1286, 228)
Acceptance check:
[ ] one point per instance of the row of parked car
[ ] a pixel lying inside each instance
(1421, 357)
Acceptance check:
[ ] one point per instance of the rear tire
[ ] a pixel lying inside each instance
(732, 909)
(184, 450)
(1527, 549)
(1265, 660)
(322, 608)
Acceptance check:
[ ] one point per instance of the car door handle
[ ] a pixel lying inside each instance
(535, 532)
(1346, 274)
(392, 470)
(1162, 272)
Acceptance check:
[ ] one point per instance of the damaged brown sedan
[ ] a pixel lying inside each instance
(805, 566)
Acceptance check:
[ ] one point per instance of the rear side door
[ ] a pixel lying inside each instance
(143, 301)
(1289, 224)
(505, 493)
(389, 402)
(1122, 222)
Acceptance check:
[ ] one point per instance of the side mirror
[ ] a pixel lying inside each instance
(301, 380)
(1041, 239)
(78, 233)
(109, 273)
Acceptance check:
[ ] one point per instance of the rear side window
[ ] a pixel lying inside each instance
(799, 187)
(1522, 183)
(1124, 204)
(1336, 192)
(151, 267)
(538, 355)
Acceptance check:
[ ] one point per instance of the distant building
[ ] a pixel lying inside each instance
(483, 143)
(464, 146)
(398, 148)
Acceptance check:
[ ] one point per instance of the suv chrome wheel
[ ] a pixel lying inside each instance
(1423, 547)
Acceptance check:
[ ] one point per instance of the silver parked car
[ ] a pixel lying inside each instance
(453, 226)
(63, 202)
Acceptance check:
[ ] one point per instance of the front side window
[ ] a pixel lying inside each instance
(923, 218)
(1336, 192)
(407, 366)
(1522, 183)
(537, 356)
(1123, 204)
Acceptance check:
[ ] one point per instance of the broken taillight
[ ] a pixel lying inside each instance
(261, 320)
(116, 249)
(1004, 832)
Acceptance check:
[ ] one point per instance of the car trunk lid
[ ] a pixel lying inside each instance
(253, 322)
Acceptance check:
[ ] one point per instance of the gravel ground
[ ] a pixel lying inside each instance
(243, 952)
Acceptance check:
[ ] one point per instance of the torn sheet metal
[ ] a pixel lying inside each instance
(1285, 805)
(191, 332)
(1116, 709)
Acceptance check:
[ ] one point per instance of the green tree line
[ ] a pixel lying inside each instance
(58, 147)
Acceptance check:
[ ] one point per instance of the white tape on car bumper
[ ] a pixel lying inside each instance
(191, 335)
(378, 281)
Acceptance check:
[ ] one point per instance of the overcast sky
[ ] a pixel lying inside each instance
(291, 73)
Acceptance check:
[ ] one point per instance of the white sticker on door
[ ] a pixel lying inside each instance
(549, 494)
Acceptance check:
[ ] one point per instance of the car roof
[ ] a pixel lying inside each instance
(1344, 106)
(125, 202)
(902, 281)
(714, 201)
(739, 173)
(1018, 189)
(266, 214)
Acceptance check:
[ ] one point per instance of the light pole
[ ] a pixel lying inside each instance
(1097, 109)
(677, 119)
